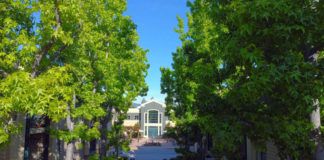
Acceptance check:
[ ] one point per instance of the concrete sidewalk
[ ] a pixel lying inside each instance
(154, 153)
(165, 143)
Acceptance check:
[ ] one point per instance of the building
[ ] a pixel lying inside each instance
(150, 116)
(271, 152)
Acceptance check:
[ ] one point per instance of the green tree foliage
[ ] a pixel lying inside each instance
(117, 141)
(68, 60)
(250, 68)
(186, 133)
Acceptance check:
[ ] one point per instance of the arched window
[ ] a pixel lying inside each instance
(153, 116)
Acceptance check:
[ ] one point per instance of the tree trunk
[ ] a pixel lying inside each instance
(311, 56)
(103, 139)
(203, 147)
(60, 144)
(117, 151)
(116, 146)
(70, 125)
(69, 151)
(316, 120)
(80, 142)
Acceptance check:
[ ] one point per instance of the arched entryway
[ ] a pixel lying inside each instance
(153, 124)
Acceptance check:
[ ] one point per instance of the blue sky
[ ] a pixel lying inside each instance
(155, 20)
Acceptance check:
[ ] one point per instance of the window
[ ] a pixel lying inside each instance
(145, 130)
(160, 130)
(136, 117)
(160, 118)
(153, 116)
(145, 117)
(128, 117)
(153, 131)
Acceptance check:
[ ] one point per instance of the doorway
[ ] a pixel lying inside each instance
(152, 131)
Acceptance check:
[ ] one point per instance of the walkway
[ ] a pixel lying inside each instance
(154, 153)
(165, 151)
(164, 143)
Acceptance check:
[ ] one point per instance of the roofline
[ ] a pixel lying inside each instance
(152, 100)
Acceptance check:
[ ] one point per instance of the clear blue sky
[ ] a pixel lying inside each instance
(155, 20)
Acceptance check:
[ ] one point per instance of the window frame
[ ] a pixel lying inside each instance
(160, 118)
(153, 116)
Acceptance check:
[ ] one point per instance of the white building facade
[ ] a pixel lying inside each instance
(150, 116)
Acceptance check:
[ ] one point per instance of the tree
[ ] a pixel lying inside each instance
(186, 133)
(249, 62)
(71, 61)
(180, 89)
(116, 134)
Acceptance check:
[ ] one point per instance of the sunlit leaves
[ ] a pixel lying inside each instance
(91, 51)
(245, 63)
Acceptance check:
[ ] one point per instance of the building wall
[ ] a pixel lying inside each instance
(130, 122)
(132, 116)
(5, 153)
(15, 151)
(152, 105)
(272, 152)
(253, 154)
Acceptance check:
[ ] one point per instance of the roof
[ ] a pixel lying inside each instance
(150, 101)
(133, 110)
(143, 101)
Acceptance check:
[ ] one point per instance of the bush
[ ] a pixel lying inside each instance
(152, 144)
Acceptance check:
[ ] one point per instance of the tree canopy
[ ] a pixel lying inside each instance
(68, 60)
(250, 68)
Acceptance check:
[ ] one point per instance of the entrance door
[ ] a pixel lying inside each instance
(153, 132)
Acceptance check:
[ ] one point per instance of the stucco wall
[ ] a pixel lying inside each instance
(152, 105)
(15, 151)
(130, 122)
(271, 153)
(132, 116)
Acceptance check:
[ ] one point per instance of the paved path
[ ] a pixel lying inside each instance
(154, 153)
(164, 143)
(165, 151)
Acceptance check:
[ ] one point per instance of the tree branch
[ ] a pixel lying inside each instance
(40, 55)
(311, 54)
(57, 53)
(4, 73)
(57, 16)
(107, 52)
(43, 50)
